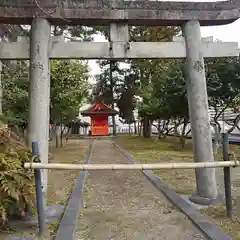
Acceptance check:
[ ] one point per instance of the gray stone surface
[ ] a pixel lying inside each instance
(21, 238)
(52, 213)
(39, 91)
(198, 110)
(123, 205)
(120, 50)
(197, 199)
(210, 230)
(197, 206)
(96, 12)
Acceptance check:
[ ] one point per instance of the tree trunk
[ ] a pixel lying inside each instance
(159, 129)
(183, 142)
(62, 133)
(114, 123)
(146, 127)
(61, 136)
(61, 140)
(135, 127)
(112, 93)
(57, 133)
(50, 135)
(176, 133)
(129, 129)
(57, 140)
(140, 128)
(69, 132)
(183, 137)
(217, 138)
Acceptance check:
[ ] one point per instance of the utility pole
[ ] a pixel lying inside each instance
(112, 93)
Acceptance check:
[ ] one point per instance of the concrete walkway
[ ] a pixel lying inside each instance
(125, 205)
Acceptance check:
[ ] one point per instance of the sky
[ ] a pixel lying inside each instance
(225, 33)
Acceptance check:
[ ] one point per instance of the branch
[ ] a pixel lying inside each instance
(216, 124)
(188, 132)
(185, 123)
(155, 125)
(235, 123)
(170, 129)
(217, 115)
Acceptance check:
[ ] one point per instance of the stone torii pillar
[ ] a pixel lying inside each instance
(117, 33)
(39, 90)
(198, 111)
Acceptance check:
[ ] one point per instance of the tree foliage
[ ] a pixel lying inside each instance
(126, 104)
(132, 81)
(223, 75)
(164, 96)
(69, 87)
(15, 93)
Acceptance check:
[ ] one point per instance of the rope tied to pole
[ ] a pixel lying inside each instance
(34, 159)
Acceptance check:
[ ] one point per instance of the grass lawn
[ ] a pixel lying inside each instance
(183, 180)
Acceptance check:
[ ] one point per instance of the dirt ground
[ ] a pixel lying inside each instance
(122, 205)
(59, 184)
(73, 152)
(183, 180)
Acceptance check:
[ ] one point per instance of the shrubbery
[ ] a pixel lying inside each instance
(16, 183)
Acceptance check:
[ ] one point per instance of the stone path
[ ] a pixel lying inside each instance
(125, 205)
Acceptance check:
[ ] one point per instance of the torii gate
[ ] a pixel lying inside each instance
(119, 14)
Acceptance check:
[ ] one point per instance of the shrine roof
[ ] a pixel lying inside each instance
(99, 109)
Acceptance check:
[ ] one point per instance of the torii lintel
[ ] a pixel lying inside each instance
(102, 12)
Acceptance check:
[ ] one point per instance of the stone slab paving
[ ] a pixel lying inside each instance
(125, 205)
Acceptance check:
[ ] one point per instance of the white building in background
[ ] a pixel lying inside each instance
(227, 115)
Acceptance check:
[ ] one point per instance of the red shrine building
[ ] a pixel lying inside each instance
(99, 113)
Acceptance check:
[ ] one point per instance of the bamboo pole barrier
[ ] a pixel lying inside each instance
(87, 167)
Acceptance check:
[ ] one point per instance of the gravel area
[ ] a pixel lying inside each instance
(125, 205)
(235, 177)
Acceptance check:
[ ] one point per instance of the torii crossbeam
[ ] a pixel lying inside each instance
(102, 12)
(117, 49)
